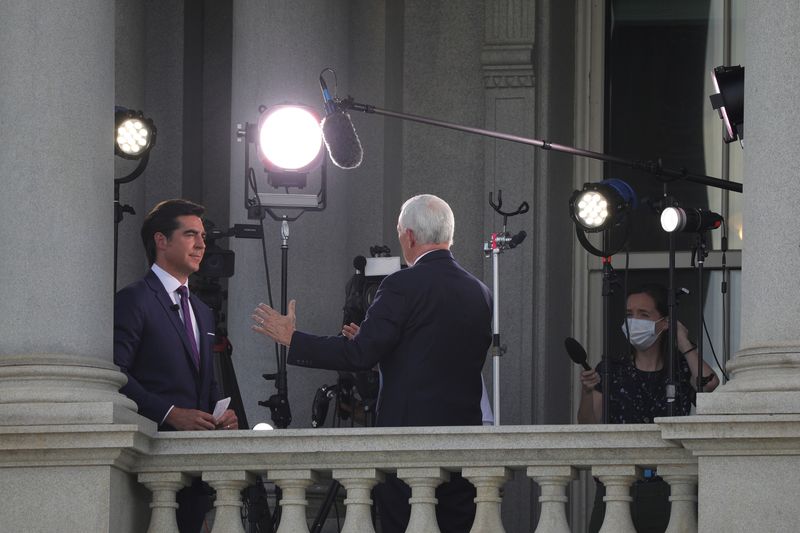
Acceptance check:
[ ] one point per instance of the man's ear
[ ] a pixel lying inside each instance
(412, 240)
(160, 240)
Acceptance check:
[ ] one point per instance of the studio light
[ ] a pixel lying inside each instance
(689, 220)
(289, 144)
(729, 100)
(602, 205)
(134, 134)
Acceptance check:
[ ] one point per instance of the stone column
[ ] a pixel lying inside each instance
(358, 483)
(765, 375)
(56, 228)
(164, 486)
(617, 480)
(229, 485)
(682, 481)
(293, 502)
(553, 481)
(423, 483)
(746, 434)
(56, 212)
(488, 480)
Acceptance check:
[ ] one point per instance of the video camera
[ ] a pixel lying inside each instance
(356, 393)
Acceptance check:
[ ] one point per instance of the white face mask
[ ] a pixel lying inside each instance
(642, 332)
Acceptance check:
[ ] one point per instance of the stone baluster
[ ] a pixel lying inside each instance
(228, 504)
(293, 484)
(487, 481)
(682, 481)
(164, 486)
(423, 483)
(358, 483)
(553, 482)
(617, 480)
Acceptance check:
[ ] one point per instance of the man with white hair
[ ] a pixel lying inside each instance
(428, 329)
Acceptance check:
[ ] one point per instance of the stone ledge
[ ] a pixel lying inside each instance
(735, 434)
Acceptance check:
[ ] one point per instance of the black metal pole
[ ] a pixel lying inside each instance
(607, 292)
(120, 210)
(282, 380)
(653, 167)
(117, 220)
(278, 403)
(673, 325)
(701, 257)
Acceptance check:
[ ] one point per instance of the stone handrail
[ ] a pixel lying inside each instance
(423, 457)
(358, 458)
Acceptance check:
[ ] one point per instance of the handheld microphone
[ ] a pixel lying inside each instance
(576, 352)
(339, 134)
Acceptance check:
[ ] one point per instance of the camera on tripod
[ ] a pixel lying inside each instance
(356, 393)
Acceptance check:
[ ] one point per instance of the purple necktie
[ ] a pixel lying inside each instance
(187, 323)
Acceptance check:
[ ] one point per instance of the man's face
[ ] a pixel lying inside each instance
(180, 253)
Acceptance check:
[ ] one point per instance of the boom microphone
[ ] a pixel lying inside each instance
(339, 133)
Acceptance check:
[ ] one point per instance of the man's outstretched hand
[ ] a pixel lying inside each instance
(270, 323)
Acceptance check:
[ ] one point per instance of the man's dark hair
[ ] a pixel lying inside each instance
(163, 218)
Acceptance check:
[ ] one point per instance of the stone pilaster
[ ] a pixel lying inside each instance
(509, 93)
(56, 212)
(765, 375)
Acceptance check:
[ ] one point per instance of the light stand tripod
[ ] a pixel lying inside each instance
(278, 403)
(700, 252)
(497, 243)
(609, 279)
(672, 307)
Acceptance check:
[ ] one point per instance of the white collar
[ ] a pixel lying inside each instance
(169, 281)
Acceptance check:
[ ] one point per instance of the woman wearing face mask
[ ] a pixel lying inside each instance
(638, 394)
(638, 383)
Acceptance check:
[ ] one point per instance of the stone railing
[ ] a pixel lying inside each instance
(423, 457)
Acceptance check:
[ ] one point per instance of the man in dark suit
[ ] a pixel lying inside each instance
(166, 354)
(428, 329)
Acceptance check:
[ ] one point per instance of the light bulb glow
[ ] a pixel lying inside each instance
(132, 136)
(290, 138)
(593, 209)
(670, 219)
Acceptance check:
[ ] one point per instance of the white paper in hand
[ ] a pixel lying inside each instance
(221, 406)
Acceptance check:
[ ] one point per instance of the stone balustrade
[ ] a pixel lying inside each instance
(358, 458)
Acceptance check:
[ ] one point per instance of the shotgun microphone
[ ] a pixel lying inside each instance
(339, 134)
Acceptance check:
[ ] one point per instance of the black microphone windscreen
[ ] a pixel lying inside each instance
(175, 307)
(360, 263)
(342, 141)
(517, 239)
(576, 352)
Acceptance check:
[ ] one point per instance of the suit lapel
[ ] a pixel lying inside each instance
(203, 345)
(174, 318)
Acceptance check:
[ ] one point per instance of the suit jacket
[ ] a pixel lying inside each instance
(152, 349)
(429, 327)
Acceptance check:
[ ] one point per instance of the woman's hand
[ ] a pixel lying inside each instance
(682, 338)
(589, 378)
